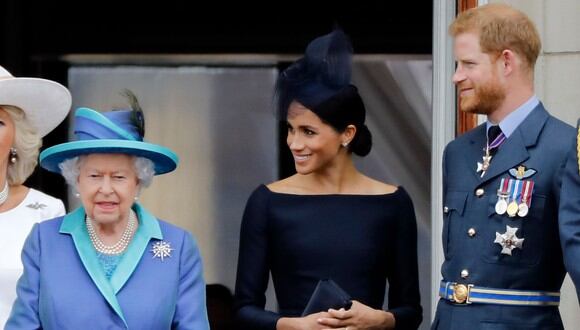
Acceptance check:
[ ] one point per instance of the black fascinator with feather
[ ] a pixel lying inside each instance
(323, 71)
(321, 82)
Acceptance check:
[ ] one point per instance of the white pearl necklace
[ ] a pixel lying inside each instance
(4, 193)
(123, 242)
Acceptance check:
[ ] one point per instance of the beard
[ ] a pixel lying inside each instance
(485, 99)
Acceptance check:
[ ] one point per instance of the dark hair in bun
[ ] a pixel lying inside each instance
(362, 142)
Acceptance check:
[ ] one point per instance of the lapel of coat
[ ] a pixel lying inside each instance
(514, 151)
(73, 224)
(148, 229)
(476, 149)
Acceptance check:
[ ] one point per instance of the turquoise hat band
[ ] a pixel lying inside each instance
(164, 159)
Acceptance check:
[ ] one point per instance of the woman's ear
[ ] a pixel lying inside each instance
(348, 134)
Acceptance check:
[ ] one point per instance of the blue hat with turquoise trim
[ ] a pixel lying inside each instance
(113, 132)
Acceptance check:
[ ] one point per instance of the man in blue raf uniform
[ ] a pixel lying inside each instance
(503, 265)
(570, 213)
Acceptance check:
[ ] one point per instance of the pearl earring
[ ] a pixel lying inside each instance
(13, 156)
(77, 195)
(136, 198)
(345, 144)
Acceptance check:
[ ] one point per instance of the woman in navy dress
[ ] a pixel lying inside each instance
(328, 220)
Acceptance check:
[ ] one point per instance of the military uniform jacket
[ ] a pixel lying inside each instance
(570, 213)
(540, 144)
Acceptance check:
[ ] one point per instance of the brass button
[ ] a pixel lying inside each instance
(471, 232)
(445, 209)
(464, 273)
(479, 192)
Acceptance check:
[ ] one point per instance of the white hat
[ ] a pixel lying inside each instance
(46, 103)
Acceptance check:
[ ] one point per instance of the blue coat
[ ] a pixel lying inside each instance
(470, 224)
(64, 287)
(570, 213)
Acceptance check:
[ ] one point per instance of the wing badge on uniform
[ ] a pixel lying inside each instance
(521, 172)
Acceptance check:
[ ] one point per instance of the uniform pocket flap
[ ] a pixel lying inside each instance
(455, 201)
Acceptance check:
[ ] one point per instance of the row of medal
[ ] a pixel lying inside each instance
(514, 197)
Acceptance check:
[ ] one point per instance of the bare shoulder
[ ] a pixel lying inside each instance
(290, 185)
(375, 187)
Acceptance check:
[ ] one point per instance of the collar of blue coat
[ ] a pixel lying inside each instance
(509, 124)
(514, 151)
(74, 224)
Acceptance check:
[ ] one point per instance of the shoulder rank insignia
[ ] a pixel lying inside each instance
(521, 172)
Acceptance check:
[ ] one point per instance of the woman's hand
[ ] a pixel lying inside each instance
(309, 322)
(358, 317)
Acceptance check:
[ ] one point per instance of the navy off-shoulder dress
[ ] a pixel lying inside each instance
(359, 241)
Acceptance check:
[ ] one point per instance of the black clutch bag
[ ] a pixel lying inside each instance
(327, 294)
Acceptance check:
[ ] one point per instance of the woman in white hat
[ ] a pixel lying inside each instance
(29, 109)
(110, 264)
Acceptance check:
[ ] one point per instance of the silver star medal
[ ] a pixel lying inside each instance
(161, 250)
(482, 167)
(508, 240)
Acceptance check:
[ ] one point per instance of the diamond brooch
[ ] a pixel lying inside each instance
(161, 250)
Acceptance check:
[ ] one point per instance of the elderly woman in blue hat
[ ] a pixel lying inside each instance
(110, 263)
(328, 221)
